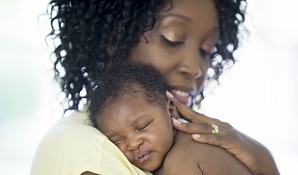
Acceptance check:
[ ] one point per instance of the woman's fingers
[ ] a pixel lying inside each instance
(223, 138)
(169, 95)
(217, 128)
(198, 123)
(188, 113)
(203, 128)
(218, 133)
(193, 128)
(215, 132)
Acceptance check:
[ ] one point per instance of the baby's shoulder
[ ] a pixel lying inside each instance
(181, 159)
(189, 156)
(185, 146)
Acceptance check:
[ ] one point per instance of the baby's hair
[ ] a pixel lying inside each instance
(84, 29)
(126, 79)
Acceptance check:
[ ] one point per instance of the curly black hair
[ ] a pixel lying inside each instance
(125, 79)
(84, 29)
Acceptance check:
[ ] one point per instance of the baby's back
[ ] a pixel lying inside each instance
(190, 157)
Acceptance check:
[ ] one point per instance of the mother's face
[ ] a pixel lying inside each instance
(179, 45)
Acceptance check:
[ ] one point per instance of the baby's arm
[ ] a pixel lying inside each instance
(189, 157)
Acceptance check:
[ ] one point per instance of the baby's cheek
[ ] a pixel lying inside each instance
(167, 141)
(128, 154)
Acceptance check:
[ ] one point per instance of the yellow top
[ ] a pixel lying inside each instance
(72, 146)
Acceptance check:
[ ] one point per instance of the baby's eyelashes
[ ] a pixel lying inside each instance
(117, 142)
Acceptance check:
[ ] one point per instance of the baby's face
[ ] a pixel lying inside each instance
(143, 131)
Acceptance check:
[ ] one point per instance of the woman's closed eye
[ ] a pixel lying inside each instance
(171, 43)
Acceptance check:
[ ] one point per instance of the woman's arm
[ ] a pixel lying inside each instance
(251, 153)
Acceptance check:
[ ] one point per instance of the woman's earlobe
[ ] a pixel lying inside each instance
(110, 50)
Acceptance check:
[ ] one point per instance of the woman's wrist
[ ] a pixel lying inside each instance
(267, 165)
(259, 160)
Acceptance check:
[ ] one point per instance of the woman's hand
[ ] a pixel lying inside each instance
(215, 132)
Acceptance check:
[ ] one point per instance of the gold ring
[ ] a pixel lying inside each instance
(215, 129)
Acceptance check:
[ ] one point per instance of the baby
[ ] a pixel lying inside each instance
(129, 105)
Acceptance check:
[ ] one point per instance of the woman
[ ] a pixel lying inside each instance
(181, 38)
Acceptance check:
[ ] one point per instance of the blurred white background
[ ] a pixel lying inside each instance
(258, 96)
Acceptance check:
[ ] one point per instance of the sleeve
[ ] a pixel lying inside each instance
(72, 147)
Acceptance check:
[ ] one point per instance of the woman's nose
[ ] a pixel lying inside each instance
(190, 65)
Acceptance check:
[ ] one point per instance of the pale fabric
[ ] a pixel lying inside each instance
(72, 147)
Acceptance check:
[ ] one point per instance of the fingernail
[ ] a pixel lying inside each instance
(178, 122)
(196, 136)
(169, 94)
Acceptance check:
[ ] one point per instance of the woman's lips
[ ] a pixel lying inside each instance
(182, 96)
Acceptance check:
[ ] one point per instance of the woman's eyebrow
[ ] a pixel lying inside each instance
(176, 15)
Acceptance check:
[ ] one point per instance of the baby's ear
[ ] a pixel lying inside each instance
(172, 109)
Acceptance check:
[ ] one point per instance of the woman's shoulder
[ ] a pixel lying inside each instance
(69, 147)
(74, 146)
(75, 122)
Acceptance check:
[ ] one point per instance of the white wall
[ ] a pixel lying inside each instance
(258, 96)
(27, 93)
